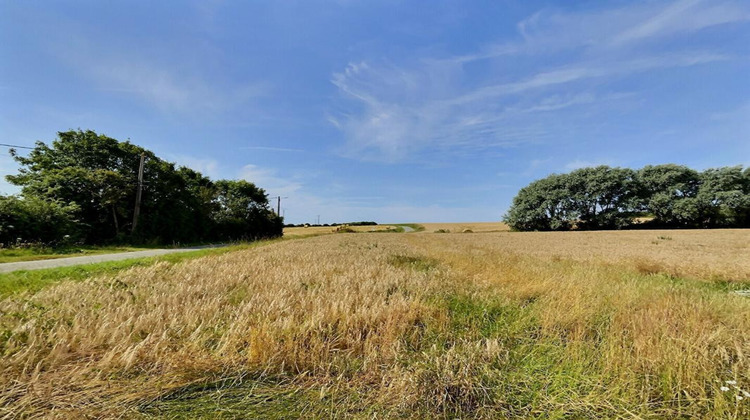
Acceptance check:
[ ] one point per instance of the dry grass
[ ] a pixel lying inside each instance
(296, 232)
(408, 325)
(472, 226)
(703, 254)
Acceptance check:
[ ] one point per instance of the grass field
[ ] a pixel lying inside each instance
(639, 324)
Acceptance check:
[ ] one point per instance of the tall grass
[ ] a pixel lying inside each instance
(414, 325)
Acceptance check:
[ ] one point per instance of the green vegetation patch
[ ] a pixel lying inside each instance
(259, 399)
(417, 227)
(417, 263)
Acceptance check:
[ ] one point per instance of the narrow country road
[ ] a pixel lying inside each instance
(90, 259)
(407, 229)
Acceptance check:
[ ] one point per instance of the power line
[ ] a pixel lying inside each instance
(16, 146)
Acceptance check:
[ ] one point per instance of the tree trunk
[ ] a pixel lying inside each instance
(114, 217)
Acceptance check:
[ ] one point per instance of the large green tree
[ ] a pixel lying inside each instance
(610, 198)
(243, 212)
(601, 197)
(542, 205)
(96, 172)
(669, 192)
(724, 197)
(99, 175)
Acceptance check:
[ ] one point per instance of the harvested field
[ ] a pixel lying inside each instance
(472, 226)
(296, 232)
(419, 325)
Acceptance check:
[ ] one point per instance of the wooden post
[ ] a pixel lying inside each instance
(138, 193)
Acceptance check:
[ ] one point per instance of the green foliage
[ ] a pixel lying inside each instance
(99, 175)
(362, 223)
(724, 197)
(609, 198)
(669, 193)
(242, 211)
(34, 220)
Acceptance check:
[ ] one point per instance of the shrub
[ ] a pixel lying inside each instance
(32, 220)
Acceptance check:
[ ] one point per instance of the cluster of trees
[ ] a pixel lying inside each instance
(83, 186)
(669, 196)
(364, 223)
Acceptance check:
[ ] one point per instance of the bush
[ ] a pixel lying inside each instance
(31, 220)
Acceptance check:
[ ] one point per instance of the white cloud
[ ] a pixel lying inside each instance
(167, 85)
(268, 179)
(684, 16)
(271, 149)
(390, 112)
(392, 120)
(638, 23)
(164, 87)
(207, 166)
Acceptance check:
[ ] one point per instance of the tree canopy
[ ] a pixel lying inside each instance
(611, 198)
(95, 177)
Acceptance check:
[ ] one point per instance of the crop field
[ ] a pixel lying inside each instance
(635, 324)
(474, 227)
(296, 232)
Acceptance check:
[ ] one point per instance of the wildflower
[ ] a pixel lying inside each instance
(739, 398)
(732, 382)
(724, 388)
(746, 394)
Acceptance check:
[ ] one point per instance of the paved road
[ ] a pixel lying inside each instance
(90, 259)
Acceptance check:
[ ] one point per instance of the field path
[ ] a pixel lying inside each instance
(90, 259)
(407, 229)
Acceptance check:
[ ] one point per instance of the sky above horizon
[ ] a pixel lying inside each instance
(393, 111)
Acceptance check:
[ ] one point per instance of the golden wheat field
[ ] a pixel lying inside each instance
(638, 324)
(296, 232)
(474, 227)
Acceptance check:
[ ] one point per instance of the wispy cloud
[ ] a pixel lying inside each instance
(269, 180)
(391, 111)
(165, 88)
(207, 166)
(684, 16)
(271, 149)
(169, 86)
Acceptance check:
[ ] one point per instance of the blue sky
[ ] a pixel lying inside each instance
(393, 111)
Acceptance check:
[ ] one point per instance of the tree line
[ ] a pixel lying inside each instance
(82, 187)
(656, 196)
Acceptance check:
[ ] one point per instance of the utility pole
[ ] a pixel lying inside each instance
(278, 204)
(138, 193)
(318, 219)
